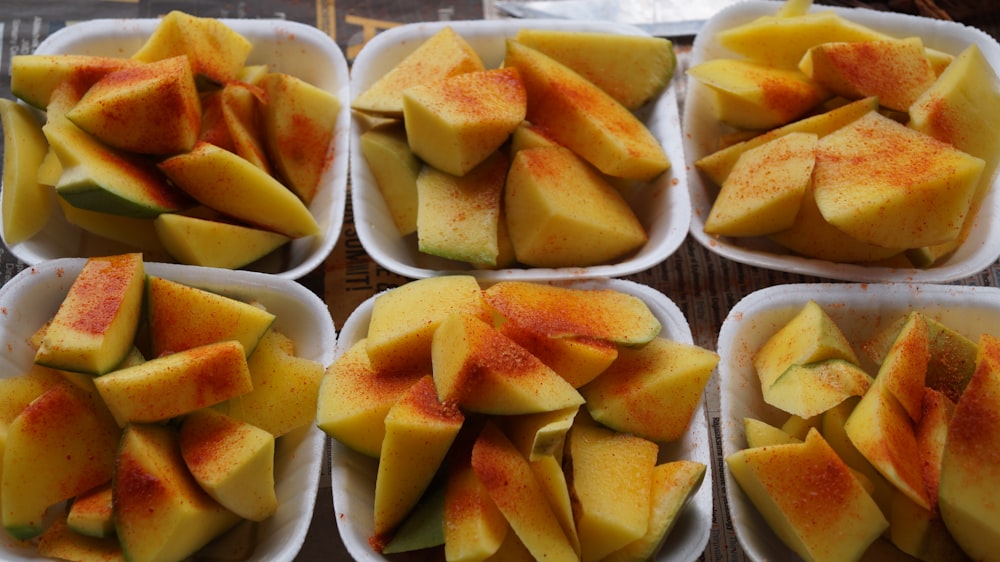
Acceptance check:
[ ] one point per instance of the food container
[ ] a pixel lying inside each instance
(353, 474)
(33, 296)
(285, 46)
(861, 311)
(702, 130)
(663, 207)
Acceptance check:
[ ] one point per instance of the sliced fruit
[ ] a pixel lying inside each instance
(580, 116)
(208, 243)
(181, 316)
(172, 385)
(232, 185)
(217, 53)
(443, 54)
(232, 461)
(419, 430)
(633, 69)
(98, 178)
(299, 122)
(480, 370)
(147, 109)
(25, 204)
(96, 323)
(160, 511)
(563, 312)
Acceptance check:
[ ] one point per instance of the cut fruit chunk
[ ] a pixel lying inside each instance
(176, 384)
(98, 178)
(809, 336)
(160, 511)
(182, 316)
(395, 169)
(927, 204)
(419, 431)
(481, 370)
(458, 217)
(563, 312)
(232, 185)
(404, 319)
(456, 123)
(96, 323)
(445, 53)
(152, 108)
(25, 204)
(652, 391)
(969, 469)
(561, 213)
(840, 526)
(751, 95)
(611, 481)
(299, 121)
(217, 52)
(808, 390)
(633, 69)
(583, 118)
(59, 446)
(764, 191)
(512, 485)
(354, 400)
(208, 243)
(896, 71)
(232, 461)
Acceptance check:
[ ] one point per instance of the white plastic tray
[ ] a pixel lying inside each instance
(285, 46)
(861, 311)
(702, 130)
(663, 207)
(353, 474)
(32, 297)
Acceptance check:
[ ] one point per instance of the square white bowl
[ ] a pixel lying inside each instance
(861, 311)
(33, 296)
(284, 46)
(663, 207)
(353, 474)
(702, 131)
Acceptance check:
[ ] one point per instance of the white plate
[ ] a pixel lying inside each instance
(663, 207)
(702, 130)
(32, 297)
(353, 474)
(861, 311)
(285, 46)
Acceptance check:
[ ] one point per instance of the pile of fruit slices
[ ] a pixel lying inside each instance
(908, 455)
(139, 379)
(524, 165)
(180, 151)
(845, 144)
(520, 417)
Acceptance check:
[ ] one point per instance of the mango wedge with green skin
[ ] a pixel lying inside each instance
(298, 122)
(33, 78)
(216, 51)
(584, 118)
(175, 384)
(25, 204)
(59, 446)
(161, 512)
(180, 317)
(633, 69)
(98, 178)
(208, 243)
(230, 184)
(93, 330)
(231, 460)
